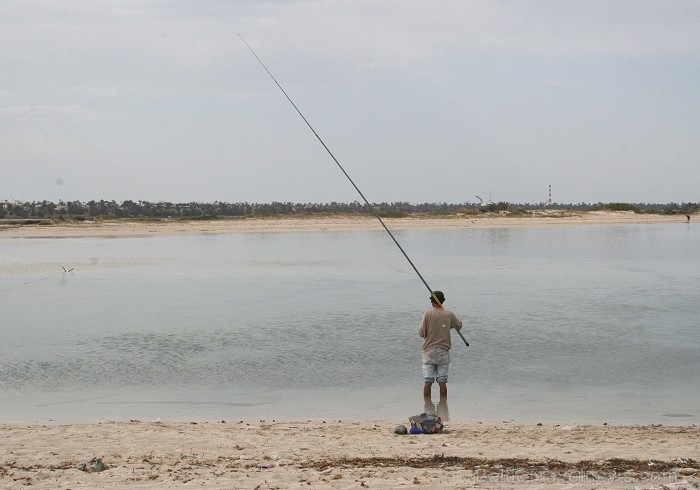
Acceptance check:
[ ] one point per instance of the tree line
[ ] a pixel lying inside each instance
(162, 210)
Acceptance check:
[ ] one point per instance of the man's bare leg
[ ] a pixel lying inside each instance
(427, 389)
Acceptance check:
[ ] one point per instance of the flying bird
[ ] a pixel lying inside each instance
(483, 203)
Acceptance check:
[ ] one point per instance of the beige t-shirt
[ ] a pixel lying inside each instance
(435, 328)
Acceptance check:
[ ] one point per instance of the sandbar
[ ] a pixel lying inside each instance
(133, 227)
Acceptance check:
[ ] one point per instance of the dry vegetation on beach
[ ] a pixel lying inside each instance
(136, 227)
(336, 454)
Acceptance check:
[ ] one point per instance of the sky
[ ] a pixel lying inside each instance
(419, 100)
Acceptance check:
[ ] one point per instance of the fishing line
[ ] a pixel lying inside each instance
(374, 211)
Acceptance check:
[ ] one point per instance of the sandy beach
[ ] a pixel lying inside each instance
(348, 454)
(129, 227)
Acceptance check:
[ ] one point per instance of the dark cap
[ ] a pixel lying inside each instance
(439, 295)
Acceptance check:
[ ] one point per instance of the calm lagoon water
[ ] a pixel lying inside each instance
(566, 324)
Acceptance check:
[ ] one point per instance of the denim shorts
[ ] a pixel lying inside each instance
(436, 364)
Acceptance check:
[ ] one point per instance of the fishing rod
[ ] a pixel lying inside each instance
(374, 211)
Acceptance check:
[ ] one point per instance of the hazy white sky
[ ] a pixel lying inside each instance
(421, 101)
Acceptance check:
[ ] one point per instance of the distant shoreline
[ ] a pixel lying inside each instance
(124, 227)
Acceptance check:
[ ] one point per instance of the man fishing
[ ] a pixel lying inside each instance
(437, 322)
(435, 329)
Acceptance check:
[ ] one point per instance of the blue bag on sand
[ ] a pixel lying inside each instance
(425, 423)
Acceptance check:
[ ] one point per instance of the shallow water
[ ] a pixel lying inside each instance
(566, 324)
